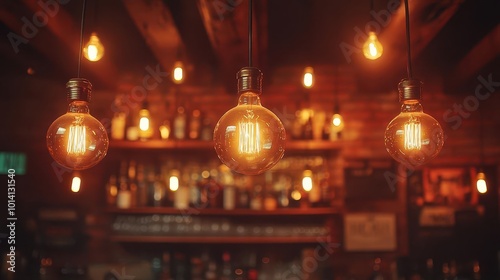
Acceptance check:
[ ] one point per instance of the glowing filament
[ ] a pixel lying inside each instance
(249, 138)
(92, 53)
(76, 140)
(373, 49)
(413, 135)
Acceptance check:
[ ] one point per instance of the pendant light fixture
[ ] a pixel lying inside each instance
(372, 48)
(94, 49)
(413, 137)
(77, 140)
(249, 138)
(481, 185)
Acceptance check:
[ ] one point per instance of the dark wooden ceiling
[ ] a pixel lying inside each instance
(455, 40)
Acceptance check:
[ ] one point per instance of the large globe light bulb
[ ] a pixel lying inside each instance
(413, 138)
(77, 140)
(249, 139)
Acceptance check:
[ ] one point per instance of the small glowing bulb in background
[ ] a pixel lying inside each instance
(308, 79)
(173, 183)
(145, 128)
(307, 184)
(338, 122)
(77, 140)
(413, 137)
(75, 184)
(249, 138)
(372, 48)
(93, 50)
(481, 183)
(178, 73)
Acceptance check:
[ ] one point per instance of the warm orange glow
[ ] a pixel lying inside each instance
(178, 73)
(307, 183)
(372, 49)
(481, 183)
(93, 50)
(75, 184)
(308, 79)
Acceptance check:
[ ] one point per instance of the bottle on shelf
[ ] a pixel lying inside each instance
(226, 269)
(165, 130)
(195, 125)
(429, 273)
(118, 123)
(166, 269)
(111, 191)
(376, 273)
(207, 130)
(256, 200)
(132, 182)
(142, 187)
(123, 198)
(308, 128)
(180, 124)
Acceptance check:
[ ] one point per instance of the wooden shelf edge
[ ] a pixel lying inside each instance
(222, 212)
(217, 239)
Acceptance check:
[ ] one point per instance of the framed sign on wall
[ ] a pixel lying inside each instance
(370, 232)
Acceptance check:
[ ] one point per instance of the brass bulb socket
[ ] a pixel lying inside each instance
(79, 89)
(249, 79)
(409, 89)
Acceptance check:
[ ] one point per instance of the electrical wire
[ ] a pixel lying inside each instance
(80, 49)
(408, 41)
(250, 33)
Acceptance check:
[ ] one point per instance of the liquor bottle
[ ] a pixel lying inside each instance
(196, 268)
(376, 274)
(142, 187)
(132, 182)
(119, 120)
(111, 191)
(207, 130)
(297, 130)
(181, 270)
(226, 270)
(476, 271)
(195, 125)
(180, 124)
(308, 129)
(166, 269)
(165, 130)
(211, 272)
(429, 273)
(257, 198)
(159, 193)
(123, 198)
(325, 189)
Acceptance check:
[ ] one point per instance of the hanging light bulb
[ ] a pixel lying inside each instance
(145, 127)
(77, 140)
(372, 48)
(307, 184)
(173, 183)
(308, 78)
(413, 137)
(481, 182)
(93, 50)
(75, 183)
(178, 72)
(249, 138)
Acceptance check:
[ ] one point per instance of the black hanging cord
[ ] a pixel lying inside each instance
(80, 49)
(408, 41)
(250, 33)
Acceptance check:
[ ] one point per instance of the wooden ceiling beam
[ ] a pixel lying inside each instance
(227, 29)
(154, 21)
(427, 18)
(65, 30)
(478, 57)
